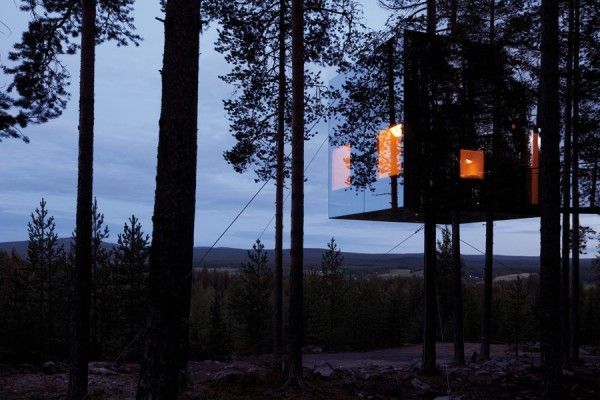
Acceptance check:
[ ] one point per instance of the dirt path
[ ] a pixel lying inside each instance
(411, 354)
(378, 374)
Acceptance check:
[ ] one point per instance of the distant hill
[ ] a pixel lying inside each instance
(355, 263)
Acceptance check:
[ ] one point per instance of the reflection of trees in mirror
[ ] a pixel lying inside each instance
(471, 87)
(360, 106)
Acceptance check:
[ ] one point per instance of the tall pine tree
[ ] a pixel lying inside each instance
(40, 81)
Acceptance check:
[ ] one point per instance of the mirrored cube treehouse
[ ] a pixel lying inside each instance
(453, 134)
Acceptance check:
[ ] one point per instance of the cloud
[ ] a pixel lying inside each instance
(126, 131)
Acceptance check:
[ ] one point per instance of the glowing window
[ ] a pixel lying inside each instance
(535, 166)
(340, 167)
(389, 152)
(471, 164)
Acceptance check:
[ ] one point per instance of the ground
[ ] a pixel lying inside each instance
(381, 374)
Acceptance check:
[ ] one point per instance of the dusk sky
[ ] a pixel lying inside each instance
(126, 132)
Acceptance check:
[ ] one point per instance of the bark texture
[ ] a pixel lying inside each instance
(297, 208)
(489, 219)
(279, 200)
(566, 199)
(575, 279)
(392, 112)
(487, 287)
(174, 205)
(431, 312)
(459, 341)
(430, 318)
(80, 318)
(550, 200)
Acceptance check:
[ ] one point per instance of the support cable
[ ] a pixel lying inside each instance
(405, 239)
(483, 253)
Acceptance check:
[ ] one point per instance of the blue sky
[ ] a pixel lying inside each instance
(126, 129)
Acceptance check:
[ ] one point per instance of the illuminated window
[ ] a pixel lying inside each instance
(471, 164)
(389, 151)
(535, 166)
(340, 167)
(397, 130)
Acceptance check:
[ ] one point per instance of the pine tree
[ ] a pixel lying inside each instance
(40, 80)
(365, 104)
(131, 274)
(99, 316)
(17, 328)
(254, 38)
(550, 199)
(165, 351)
(218, 345)
(296, 319)
(333, 278)
(44, 255)
(518, 298)
(444, 278)
(250, 302)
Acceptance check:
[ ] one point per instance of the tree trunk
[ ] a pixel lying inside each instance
(487, 287)
(459, 343)
(429, 320)
(575, 281)
(174, 205)
(280, 180)
(94, 306)
(550, 200)
(80, 318)
(594, 184)
(489, 220)
(431, 313)
(392, 119)
(297, 208)
(566, 198)
(453, 17)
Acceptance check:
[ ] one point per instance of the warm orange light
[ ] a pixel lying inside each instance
(397, 130)
(472, 164)
(389, 145)
(340, 167)
(535, 167)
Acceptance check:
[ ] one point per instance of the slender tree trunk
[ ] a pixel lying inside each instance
(594, 185)
(297, 208)
(392, 118)
(454, 17)
(575, 281)
(459, 343)
(50, 331)
(457, 309)
(94, 311)
(42, 302)
(487, 287)
(80, 318)
(566, 199)
(430, 318)
(280, 180)
(489, 221)
(431, 313)
(550, 200)
(174, 205)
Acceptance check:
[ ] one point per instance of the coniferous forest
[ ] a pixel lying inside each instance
(439, 114)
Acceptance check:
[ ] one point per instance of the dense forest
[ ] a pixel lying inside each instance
(231, 313)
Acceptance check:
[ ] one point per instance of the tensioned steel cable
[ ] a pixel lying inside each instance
(483, 252)
(287, 196)
(405, 239)
(256, 194)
